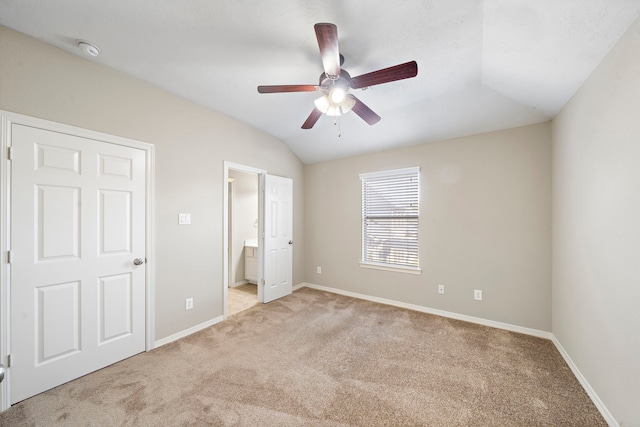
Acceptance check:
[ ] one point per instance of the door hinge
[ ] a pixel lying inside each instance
(262, 282)
(8, 360)
(9, 257)
(10, 153)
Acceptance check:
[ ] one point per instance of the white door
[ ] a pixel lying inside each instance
(77, 225)
(278, 240)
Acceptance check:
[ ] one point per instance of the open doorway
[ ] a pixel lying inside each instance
(243, 241)
(275, 235)
(243, 227)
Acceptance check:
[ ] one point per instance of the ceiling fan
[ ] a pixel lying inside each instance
(335, 82)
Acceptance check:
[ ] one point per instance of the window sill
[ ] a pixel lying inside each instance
(406, 270)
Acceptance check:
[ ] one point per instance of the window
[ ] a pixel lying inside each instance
(390, 213)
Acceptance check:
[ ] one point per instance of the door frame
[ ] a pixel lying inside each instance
(225, 229)
(6, 120)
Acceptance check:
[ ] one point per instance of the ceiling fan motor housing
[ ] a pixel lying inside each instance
(335, 91)
(327, 83)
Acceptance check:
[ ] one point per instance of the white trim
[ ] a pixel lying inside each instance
(225, 229)
(299, 286)
(189, 331)
(491, 323)
(392, 172)
(231, 200)
(608, 417)
(5, 268)
(240, 283)
(150, 327)
(386, 267)
(6, 119)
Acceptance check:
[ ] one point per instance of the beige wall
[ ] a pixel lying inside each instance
(596, 229)
(484, 224)
(191, 145)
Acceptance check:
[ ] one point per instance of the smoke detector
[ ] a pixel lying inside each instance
(89, 48)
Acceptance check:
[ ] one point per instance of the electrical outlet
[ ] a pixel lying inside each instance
(188, 304)
(441, 289)
(319, 270)
(477, 294)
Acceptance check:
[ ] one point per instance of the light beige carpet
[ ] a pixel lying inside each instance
(319, 359)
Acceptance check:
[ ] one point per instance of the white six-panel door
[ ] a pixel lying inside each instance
(77, 225)
(278, 241)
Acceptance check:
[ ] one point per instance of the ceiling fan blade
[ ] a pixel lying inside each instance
(287, 88)
(312, 119)
(327, 35)
(364, 112)
(386, 75)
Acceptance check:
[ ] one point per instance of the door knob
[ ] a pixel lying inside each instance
(138, 261)
(1, 373)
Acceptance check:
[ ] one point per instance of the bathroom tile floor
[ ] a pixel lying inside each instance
(242, 297)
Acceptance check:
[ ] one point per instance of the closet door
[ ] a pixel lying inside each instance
(78, 254)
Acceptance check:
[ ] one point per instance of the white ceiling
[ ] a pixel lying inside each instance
(483, 65)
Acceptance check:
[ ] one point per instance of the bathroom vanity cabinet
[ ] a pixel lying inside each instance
(251, 261)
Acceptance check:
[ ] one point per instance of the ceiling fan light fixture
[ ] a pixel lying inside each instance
(322, 104)
(326, 106)
(347, 104)
(335, 83)
(338, 95)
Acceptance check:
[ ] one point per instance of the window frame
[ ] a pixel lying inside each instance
(380, 176)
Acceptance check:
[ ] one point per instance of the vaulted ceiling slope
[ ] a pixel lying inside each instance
(483, 64)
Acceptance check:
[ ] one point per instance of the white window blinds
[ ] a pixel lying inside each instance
(390, 213)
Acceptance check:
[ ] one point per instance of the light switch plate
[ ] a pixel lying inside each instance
(184, 218)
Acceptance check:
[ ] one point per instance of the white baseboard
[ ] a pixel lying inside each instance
(608, 417)
(242, 282)
(492, 323)
(187, 332)
(299, 286)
